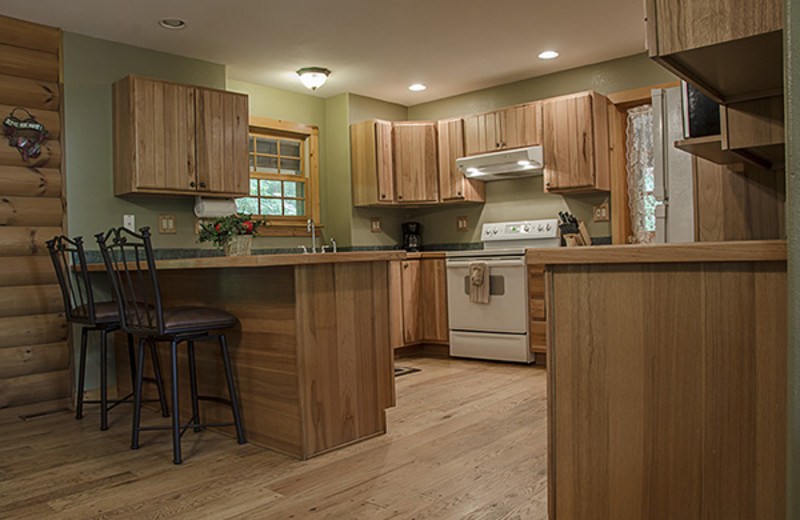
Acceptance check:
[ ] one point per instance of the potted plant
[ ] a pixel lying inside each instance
(233, 233)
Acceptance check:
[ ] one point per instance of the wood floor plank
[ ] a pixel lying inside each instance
(467, 440)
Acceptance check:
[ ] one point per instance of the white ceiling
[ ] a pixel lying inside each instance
(375, 48)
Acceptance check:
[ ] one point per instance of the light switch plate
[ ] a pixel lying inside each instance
(129, 222)
(601, 212)
(166, 224)
(375, 224)
(462, 223)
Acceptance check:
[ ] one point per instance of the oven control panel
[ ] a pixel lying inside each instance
(520, 230)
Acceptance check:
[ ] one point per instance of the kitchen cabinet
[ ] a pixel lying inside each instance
(453, 186)
(415, 161)
(372, 163)
(512, 127)
(730, 50)
(418, 302)
(576, 146)
(537, 308)
(177, 139)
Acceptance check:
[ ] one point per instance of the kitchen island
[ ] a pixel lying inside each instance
(311, 353)
(666, 380)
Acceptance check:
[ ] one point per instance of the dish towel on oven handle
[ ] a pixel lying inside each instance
(478, 282)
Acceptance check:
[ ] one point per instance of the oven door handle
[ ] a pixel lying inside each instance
(516, 262)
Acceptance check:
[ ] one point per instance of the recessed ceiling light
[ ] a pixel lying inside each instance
(548, 55)
(172, 23)
(417, 87)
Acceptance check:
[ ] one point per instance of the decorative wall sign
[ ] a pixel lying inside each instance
(26, 135)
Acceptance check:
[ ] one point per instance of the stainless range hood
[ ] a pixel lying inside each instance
(508, 164)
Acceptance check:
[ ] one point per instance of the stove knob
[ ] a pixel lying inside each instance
(487, 231)
(494, 231)
(549, 227)
(540, 228)
(526, 228)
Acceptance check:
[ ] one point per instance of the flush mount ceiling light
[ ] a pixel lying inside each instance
(172, 23)
(548, 55)
(313, 77)
(417, 87)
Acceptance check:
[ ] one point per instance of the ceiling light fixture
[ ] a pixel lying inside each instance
(172, 23)
(313, 77)
(417, 87)
(548, 55)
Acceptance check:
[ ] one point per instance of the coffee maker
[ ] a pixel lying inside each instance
(412, 240)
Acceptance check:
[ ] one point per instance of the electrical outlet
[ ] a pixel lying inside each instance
(375, 224)
(601, 212)
(129, 222)
(462, 223)
(166, 224)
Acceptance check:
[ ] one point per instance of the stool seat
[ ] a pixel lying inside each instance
(192, 319)
(104, 312)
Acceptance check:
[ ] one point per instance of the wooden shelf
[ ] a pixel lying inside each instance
(709, 147)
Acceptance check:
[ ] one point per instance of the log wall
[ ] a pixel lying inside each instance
(35, 367)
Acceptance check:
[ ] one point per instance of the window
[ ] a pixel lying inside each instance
(284, 169)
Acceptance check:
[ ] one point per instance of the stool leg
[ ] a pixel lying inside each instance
(81, 375)
(176, 431)
(193, 385)
(223, 345)
(137, 399)
(157, 373)
(103, 379)
(132, 356)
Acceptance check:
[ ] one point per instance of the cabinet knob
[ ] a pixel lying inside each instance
(405, 265)
(503, 145)
(399, 196)
(459, 193)
(191, 184)
(202, 184)
(383, 195)
(497, 145)
(547, 184)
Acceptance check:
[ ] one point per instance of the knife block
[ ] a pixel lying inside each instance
(581, 238)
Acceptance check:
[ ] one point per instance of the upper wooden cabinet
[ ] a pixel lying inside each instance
(512, 127)
(178, 139)
(453, 186)
(415, 161)
(371, 162)
(576, 150)
(730, 50)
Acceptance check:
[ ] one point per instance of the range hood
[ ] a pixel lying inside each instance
(508, 164)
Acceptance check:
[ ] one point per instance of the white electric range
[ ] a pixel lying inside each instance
(497, 330)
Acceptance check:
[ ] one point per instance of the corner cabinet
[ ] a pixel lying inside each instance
(512, 127)
(371, 163)
(576, 147)
(453, 186)
(175, 139)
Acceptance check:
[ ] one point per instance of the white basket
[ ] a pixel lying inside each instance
(238, 245)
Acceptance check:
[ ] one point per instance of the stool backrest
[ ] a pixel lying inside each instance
(76, 287)
(132, 269)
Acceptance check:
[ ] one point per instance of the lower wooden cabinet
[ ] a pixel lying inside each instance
(418, 301)
(537, 310)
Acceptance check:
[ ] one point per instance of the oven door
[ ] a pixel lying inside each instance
(507, 310)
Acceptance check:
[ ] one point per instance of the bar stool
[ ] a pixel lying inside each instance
(130, 263)
(81, 309)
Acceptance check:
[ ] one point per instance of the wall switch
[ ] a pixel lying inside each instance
(462, 223)
(375, 224)
(129, 222)
(601, 212)
(166, 224)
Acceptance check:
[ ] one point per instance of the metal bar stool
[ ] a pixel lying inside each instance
(130, 263)
(81, 309)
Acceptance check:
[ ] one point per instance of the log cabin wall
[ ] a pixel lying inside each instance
(35, 367)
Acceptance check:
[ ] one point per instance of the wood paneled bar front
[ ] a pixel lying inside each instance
(311, 353)
(667, 380)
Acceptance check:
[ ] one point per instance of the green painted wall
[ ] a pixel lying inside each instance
(792, 88)
(338, 218)
(90, 68)
(299, 108)
(525, 198)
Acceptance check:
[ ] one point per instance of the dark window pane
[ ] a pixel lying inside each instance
(290, 166)
(266, 164)
(252, 163)
(266, 145)
(251, 145)
(290, 149)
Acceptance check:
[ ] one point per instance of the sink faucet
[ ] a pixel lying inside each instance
(312, 229)
(333, 244)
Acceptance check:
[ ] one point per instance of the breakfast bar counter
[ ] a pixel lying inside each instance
(311, 352)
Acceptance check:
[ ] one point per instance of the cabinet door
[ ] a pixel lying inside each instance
(412, 323)
(222, 130)
(568, 142)
(481, 133)
(415, 162)
(433, 285)
(453, 186)
(521, 126)
(371, 162)
(163, 115)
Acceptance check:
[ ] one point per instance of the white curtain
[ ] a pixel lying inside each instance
(641, 181)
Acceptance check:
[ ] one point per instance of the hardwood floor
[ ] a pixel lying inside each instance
(467, 440)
